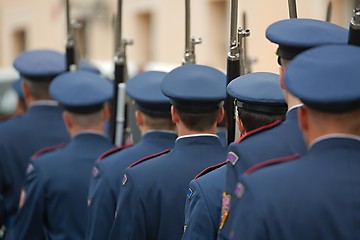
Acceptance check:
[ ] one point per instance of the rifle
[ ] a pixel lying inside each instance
(354, 28)
(118, 111)
(248, 61)
(292, 8)
(189, 56)
(235, 66)
(70, 42)
(328, 11)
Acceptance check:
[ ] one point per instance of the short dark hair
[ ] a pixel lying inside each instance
(87, 120)
(253, 120)
(39, 90)
(198, 121)
(158, 122)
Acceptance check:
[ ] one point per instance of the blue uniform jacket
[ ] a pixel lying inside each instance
(151, 201)
(41, 126)
(281, 140)
(203, 205)
(56, 189)
(315, 197)
(105, 185)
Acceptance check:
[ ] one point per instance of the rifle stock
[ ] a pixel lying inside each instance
(118, 109)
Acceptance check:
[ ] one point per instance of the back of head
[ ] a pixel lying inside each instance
(330, 87)
(259, 99)
(37, 68)
(299, 34)
(197, 92)
(83, 95)
(144, 90)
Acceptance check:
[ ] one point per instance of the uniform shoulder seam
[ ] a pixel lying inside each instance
(210, 168)
(113, 150)
(46, 150)
(8, 116)
(271, 162)
(259, 129)
(149, 157)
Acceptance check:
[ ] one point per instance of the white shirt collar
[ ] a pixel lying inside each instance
(334, 135)
(295, 106)
(45, 102)
(198, 135)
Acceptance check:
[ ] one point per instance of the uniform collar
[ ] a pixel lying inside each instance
(95, 132)
(159, 131)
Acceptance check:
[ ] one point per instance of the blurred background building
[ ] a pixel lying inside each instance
(157, 28)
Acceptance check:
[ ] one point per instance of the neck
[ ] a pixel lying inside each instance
(76, 130)
(183, 130)
(321, 124)
(291, 100)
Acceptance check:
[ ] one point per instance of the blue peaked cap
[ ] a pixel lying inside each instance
(40, 64)
(81, 92)
(16, 85)
(295, 35)
(195, 88)
(326, 78)
(258, 92)
(144, 89)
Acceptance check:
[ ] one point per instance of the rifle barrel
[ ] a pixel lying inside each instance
(232, 69)
(292, 8)
(189, 56)
(354, 28)
(328, 11)
(70, 42)
(187, 26)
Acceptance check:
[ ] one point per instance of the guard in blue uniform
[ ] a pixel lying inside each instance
(152, 197)
(158, 133)
(318, 195)
(41, 126)
(54, 198)
(260, 101)
(293, 36)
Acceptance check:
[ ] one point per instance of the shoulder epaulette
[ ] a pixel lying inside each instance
(258, 130)
(113, 150)
(210, 168)
(271, 162)
(46, 150)
(149, 157)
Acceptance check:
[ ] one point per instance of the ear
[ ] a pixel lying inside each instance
(281, 77)
(241, 126)
(67, 120)
(105, 113)
(139, 118)
(303, 118)
(221, 114)
(26, 91)
(174, 115)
